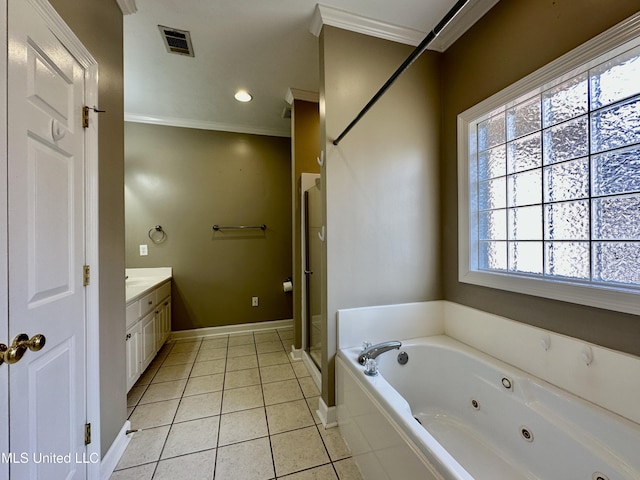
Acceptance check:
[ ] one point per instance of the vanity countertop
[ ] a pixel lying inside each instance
(141, 280)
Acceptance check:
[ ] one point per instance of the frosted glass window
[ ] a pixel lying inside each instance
(493, 255)
(525, 257)
(493, 225)
(566, 101)
(566, 181)
(616, 126)
(523, 118)
(492, 194)
(524, 188)
(616, 172)
(491, 132)
(554, 188)
(616, 218)
(616, 79)
(567, 221)
(525, 223)
(617, 262)
(524, 153)
(492, 163)
(566, 141)
(567, 259)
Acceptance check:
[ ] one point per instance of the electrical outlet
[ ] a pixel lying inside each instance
(144, 250)
(254, 301)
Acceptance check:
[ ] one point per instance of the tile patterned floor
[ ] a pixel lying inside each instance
(230, 408)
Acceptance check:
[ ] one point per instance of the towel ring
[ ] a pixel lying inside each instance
(157, 234)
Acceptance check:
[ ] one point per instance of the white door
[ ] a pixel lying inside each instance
(47, 404)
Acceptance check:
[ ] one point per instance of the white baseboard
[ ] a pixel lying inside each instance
(313, 370)
(230, 329)
(296, 353)
(328, 415)
(113, 455)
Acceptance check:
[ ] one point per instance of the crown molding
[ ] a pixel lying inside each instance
(305, 95)
(325, 15)
(127, 6)
(470, 14)
(202, 125)
(463, 21)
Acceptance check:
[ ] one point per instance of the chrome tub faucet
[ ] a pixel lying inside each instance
(370, 353)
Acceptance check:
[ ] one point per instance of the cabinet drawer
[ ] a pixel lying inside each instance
(147, 303)
(133, 312)
(163, 291)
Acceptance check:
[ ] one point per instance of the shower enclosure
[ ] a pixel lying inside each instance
(311, 264)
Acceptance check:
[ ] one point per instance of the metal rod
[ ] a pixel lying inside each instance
(419, 50)
(239, 227)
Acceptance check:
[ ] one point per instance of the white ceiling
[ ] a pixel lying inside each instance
(263, 46)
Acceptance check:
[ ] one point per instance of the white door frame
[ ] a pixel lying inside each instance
(61, 30)
(4, 268)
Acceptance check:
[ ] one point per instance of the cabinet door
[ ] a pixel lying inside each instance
(148, 332)
(167, 318)
(160, 314)
(133, 355)
(163, 321)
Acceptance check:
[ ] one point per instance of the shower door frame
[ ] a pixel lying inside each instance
(307, 180)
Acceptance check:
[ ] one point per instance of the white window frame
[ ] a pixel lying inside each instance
(614, 297)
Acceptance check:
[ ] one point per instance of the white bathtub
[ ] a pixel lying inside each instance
(446, 414)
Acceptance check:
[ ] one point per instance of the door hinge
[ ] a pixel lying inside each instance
(86, 275)
(87, 433)
(85, 117)
(85, 114)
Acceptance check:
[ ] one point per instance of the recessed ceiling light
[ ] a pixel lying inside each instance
(243, 96)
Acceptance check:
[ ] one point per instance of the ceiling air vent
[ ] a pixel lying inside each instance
(177, 41)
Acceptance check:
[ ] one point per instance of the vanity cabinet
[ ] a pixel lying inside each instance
(148, 327)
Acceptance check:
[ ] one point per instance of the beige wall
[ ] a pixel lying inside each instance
(305, 147)
(98, 24)
(382, 181)
(514, 39)
(187, 180)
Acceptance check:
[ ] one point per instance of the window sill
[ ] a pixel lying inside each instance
(609, 298)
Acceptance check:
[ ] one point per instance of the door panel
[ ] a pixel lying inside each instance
(46, 155)
(51, 262)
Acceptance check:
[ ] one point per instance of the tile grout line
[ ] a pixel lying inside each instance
(177, 408)
(224, 378)
(225, 390)
(266, 417)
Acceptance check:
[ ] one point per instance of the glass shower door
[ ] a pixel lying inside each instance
(313, 273)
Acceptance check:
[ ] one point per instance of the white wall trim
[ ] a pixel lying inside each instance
(462, 22)
(296, 353)
(68, 38)
(470, 14)
(328, 415)
(127, 6)
(204, 125)
(230, 329)
(310, 365)
(113, 455)
(305, 95)
(4, 268)
(325, 15)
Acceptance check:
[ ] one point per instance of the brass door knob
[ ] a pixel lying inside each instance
(21, 343)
